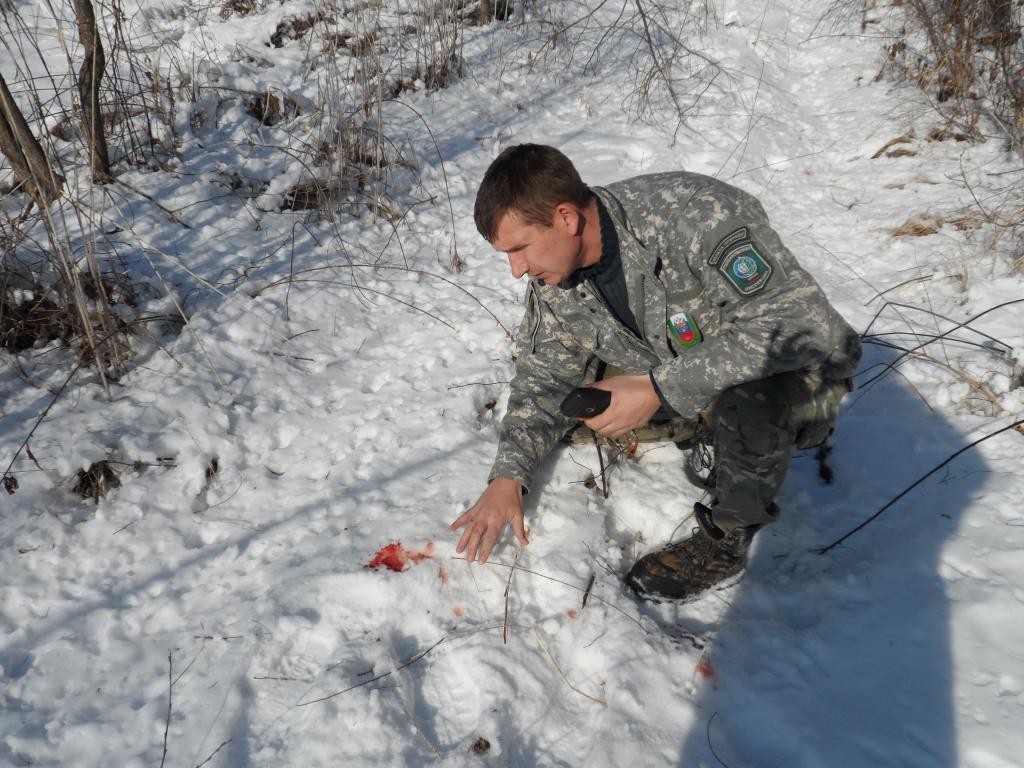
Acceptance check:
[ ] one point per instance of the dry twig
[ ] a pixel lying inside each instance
(710, 745)
(508, 590)
(390, 672)
(825, 550)
(586, 592)
(170, 689)
(600, 599)
(544, 648)
(214, 753)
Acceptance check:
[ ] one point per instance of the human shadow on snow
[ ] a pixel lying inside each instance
(844, 659)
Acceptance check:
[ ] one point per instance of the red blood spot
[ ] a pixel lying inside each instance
(572, 613)
(458, 610)
(395, 557)
(442, 574)
(705, 668)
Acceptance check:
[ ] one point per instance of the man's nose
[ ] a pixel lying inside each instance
(517, 264)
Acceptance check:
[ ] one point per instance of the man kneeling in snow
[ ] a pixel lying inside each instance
(678, 280)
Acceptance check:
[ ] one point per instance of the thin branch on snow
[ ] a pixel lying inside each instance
(710, 745)
(368, 265)
(585, 695)
(457, 263)
(170, 690)
(971, 381)
(390, 672)
(965, 324)
(408, 663)
(586, 592)
(214, 753)
(172, 215)
(825, 550)
(508, 591)
(929, 339)
(385, 294)
(611, 605)
(189, 665)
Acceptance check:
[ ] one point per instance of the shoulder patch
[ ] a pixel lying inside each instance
(723, 245)
(745, 269)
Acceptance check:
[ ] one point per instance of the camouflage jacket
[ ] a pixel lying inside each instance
(719, 301)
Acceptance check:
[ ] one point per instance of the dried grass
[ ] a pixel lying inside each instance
(969, 222)
(966, 54)
(918, 225)
(296, 27)
(241, 8)
(271, 109)
(886, 149)
(28, 319)
(96, 481)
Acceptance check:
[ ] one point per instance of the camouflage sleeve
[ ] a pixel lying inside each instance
(764, 314)
(549, 364)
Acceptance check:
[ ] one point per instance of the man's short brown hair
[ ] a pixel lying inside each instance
(528, 180)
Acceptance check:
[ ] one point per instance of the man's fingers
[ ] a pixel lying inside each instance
(464, 540)
(481, 533)
(601, 427)
(520, 529)
(471, 549)
(462, 519)
(487, 544)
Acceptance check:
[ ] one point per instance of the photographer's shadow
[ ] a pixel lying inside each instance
(843, 659)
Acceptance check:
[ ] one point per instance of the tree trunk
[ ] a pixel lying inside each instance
(31, 167)
(89, 90)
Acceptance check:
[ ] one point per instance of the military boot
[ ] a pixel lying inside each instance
(684, 569)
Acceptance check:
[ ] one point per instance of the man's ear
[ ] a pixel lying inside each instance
(567, 218)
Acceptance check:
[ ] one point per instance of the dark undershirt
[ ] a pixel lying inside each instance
(606, 275)
(608, 279)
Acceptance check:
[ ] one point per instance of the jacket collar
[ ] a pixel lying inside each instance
(632, 252)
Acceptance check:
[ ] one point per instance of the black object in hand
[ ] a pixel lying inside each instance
(585, 402)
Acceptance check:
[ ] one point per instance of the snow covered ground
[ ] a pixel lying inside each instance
(296, 426)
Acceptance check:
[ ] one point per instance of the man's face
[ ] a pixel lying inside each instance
(549, 253)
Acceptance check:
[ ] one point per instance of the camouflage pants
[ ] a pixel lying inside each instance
(755, 428)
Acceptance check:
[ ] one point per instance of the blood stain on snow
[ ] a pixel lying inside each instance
(572, 613)
(458, 610)
(395, 557)
(442, 574)
(705, 668)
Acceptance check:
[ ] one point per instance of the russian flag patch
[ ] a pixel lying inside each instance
(684, 330)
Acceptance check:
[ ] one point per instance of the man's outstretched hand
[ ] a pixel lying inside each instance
(634, 402)
(500, 505)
